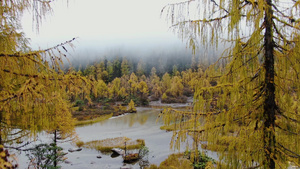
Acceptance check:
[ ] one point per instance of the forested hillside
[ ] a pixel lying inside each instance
(122, 80)
(142, 65)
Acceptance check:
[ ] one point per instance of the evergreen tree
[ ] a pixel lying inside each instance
(110, 71)
(125, 67)
(250, 97)
(90, 72)
(117, 72)
(153, 72)
(194, 63)
(100, 68)
(140, 68)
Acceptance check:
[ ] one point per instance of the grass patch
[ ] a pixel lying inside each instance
(74, 109)
(185, 161)
(95, 120)
(119, 142)
(79, 143)
(173, 161)
(168, 128)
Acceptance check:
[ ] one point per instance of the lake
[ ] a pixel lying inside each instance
(140, 125)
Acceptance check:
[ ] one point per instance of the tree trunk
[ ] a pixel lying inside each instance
(55, 149)
(0, 128)
(269, 102)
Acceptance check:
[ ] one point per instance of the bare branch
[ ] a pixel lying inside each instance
(214, 2)
(200, 21)
(280, 12)
(19, 147)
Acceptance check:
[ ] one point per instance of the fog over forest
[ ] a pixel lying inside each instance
(105, 30)
(162, 55)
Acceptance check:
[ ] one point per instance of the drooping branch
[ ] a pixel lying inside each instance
(216, 4)
(220, 125)
(288, 118)
(35, 53)
(20, 74)
(279, 48)
(285, 23)
(280, 12)
(16, 138)
(295, 155)
(179, 3)
(293, 66)
(287, 131)
(247, 61)
(200, 21)
(279, 33)
(9, 98)
(19, 147)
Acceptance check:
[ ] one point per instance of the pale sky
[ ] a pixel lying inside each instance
(104, 24)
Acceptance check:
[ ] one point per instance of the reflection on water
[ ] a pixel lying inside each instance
(132, 118)
(140, 125)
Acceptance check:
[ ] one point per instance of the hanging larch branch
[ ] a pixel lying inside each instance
(250, 117)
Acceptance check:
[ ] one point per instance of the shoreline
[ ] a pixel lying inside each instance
(94, 114)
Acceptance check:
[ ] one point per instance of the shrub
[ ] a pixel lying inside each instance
(201, 160)
(80, 108)
(46, 156)
(79, 102)
(187, 92)
(172, 99)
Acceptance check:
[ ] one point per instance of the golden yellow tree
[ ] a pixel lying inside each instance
(250, 98)
(131, 107)
(133, 83)
(114, 88)
(122, 92)
(155, 85)
(102, 89)
(176, 89)
(166, 82)
(143, 89)
(34, 91)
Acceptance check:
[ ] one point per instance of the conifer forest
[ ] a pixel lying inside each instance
(231, 100)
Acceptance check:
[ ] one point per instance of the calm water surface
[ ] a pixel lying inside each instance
(140, 125)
